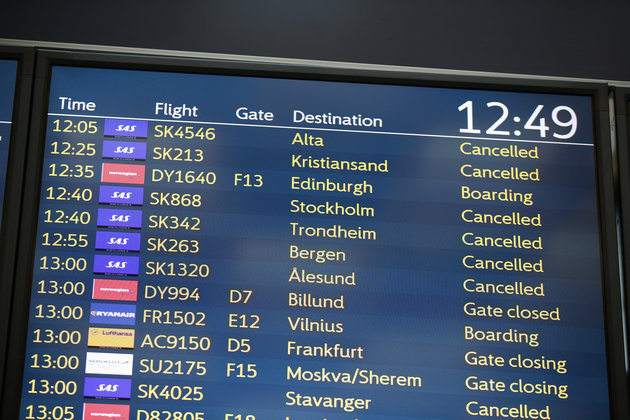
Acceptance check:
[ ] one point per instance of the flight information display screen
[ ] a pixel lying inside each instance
(241, 248)
(8, 74)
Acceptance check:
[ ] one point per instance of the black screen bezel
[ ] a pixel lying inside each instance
(622, 129)
(46, 59)
(25, 58)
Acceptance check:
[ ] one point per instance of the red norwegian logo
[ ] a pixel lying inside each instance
(106, 289)
(105, 411)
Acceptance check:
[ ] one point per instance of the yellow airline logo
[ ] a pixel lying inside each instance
(113, 338)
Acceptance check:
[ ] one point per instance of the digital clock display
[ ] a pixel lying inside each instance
(8, 74)
(242, 248)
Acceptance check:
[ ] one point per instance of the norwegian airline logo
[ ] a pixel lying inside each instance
(105, 412)
(123, 173)
(106, 289)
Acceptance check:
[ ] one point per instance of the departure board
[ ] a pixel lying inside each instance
(254, 248)
(8, 74)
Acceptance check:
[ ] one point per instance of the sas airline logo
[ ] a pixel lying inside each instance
(131, 196)
(117, 241)
(115, 218)
(134, 129)
(105, 264)
(123, 173)
(107, 388)
(126, 128)
(106, 289)
(106, 412)
(124, 150)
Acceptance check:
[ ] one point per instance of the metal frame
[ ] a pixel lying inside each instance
(288, 69)
(622, 132)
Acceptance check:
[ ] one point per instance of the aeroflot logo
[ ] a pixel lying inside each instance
(108, 363)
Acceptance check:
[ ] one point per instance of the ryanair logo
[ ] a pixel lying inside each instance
(112, 313)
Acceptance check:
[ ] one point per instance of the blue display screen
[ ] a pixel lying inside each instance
(8, 74)
(241, 248)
